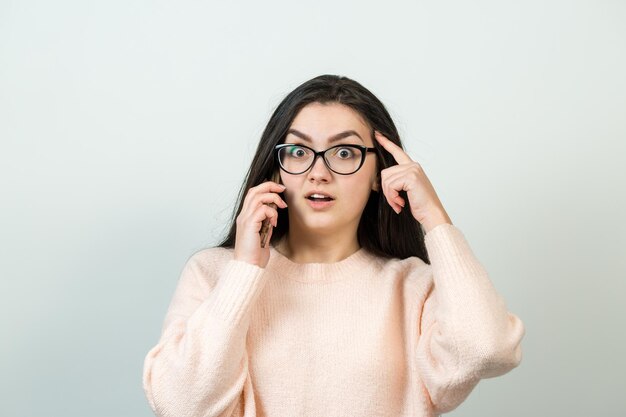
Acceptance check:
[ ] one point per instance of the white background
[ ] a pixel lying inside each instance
(126, 129)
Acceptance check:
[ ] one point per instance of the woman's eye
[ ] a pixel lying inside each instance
(344, 153)
(296, 152)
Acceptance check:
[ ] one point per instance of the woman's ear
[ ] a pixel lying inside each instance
(375, 186)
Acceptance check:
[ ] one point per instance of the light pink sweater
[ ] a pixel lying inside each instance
(365, 336)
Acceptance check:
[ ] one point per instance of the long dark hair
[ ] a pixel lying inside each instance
(380, 230)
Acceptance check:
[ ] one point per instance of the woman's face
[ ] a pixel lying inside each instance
(320, 122)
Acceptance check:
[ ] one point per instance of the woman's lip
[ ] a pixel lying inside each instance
(325, 195)
(321, 204)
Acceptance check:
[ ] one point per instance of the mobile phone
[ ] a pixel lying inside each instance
(265, 227)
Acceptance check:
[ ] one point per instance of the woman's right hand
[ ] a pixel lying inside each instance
(250, 219)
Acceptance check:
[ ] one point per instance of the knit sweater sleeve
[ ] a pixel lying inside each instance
(465, 332)
(199, 367)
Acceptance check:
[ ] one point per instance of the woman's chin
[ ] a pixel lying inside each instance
(321, 225)
(313, 221)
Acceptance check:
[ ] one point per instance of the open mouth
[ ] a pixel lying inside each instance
(319, 198)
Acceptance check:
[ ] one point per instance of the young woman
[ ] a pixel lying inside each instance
(367, 300)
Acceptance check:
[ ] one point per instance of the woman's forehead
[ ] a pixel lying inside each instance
(336, 137)
(329, 123)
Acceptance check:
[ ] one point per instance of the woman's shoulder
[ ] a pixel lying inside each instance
(406, 267)
(388, 261)
(206, 263)
(211, 256)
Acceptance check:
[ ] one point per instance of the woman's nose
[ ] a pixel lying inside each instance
(319, 170)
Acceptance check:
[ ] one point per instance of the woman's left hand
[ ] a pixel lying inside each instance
(409, 176)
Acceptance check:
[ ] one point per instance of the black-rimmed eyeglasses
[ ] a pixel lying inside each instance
(341, 159)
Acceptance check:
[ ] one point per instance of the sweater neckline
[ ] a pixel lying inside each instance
(319, 272)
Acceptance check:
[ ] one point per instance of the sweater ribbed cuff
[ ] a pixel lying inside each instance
(445, 240)
(455, 267)
(471, 311)
(237, 289)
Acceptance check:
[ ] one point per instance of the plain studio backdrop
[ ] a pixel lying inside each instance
(127, 128)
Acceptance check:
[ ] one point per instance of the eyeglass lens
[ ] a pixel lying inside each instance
(297, 159)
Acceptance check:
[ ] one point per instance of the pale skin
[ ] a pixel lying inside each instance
(330, 235)
(409, 176)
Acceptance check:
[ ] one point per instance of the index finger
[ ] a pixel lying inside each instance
(268, 186)
(397, 152)
(265, 187)
(272, 185)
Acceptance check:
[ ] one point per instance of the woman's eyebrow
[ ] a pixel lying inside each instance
(331, 139)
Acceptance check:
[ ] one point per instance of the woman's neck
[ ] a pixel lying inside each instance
(327, 250)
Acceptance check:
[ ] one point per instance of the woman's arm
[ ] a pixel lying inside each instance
(200, 365)
(466, 332)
